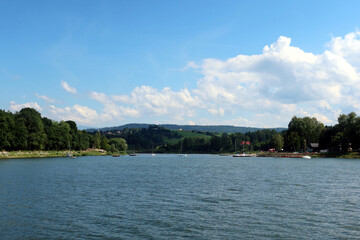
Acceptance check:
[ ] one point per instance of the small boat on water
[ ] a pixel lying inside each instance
(180, 152)
(224, 154)
(70, 155)
(115, 155)
(306, 157)
(133, 154)
(244, 155)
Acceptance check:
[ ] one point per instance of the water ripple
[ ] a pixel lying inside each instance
(202, 197)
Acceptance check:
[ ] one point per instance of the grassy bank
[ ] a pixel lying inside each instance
(39, 154)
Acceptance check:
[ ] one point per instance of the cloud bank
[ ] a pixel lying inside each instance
(14, 107)
(263, 90)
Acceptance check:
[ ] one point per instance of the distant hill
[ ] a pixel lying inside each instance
(202, 128)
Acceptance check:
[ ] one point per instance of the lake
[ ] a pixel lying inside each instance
(172, 197)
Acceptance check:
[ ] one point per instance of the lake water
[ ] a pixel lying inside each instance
(172, 197)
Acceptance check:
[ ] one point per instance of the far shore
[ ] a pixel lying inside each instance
(101, 152)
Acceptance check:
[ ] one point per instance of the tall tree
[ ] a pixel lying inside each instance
(118, 144)
(303, 130)
(36, 137)
(6, 130)
(278, 142)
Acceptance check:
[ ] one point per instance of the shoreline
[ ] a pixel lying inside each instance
(50, 153)
(101, 152)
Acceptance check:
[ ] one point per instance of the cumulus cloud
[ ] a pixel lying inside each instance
(347, 47)
(146, 101)
(80, 114)
(67, 88)
(283, 80)
(45, 98)
(263, 90)
(17, 107)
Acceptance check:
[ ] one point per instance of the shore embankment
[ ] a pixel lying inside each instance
(50, 153)
(313, 155)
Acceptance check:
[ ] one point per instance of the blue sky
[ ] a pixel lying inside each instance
(244, 63)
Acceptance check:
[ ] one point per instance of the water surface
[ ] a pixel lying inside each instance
(172, 197)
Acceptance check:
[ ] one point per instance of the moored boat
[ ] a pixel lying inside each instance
(244, 155)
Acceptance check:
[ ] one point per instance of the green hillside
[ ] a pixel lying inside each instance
(188, 134)
(201, 128)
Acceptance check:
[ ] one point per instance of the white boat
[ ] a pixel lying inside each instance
(152, 151)
(180, 152)
(70, 155)
(244, 155)
(306, 157)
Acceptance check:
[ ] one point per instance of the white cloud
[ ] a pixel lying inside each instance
(190, 65)
(216, 111)
(282, 81)
(80, 114)
(146, 101)
(46, 98)
(263, 90)
(67, 88)
(347, 48)
(17, 107)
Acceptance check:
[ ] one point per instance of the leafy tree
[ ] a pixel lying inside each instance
(36, 136)
(303, 130)
(118, 144)
(6, 130)
(104, 143)
(84, 140)
(278, 142)
(97, 140)
(342, 136)
(226, 143)
(74, 136)
(20, 134)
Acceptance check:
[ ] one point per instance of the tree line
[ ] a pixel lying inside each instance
(28, 130)
(302, 134)
(161, 140)
(227, 143)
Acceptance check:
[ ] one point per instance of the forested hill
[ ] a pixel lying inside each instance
(202, 128)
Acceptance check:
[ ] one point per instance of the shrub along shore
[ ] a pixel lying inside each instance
(101, 152)
(40, 154)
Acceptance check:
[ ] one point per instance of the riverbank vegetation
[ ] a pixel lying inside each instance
(30, 133)
(27, 130)
(303, 135)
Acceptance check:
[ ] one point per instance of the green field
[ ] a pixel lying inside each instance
(187, 134)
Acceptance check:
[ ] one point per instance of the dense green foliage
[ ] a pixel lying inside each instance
(226, 143)
(343, 136)
(27, 130)
(144, 139)
(301, 132)
(163, 140)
